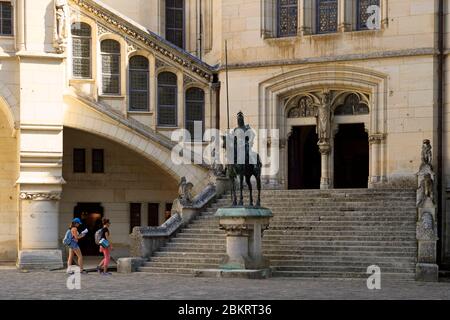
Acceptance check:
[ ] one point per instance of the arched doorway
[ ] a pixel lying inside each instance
(304, 158)
(351, 156)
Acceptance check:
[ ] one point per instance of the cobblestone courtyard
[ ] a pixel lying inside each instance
(52, 285)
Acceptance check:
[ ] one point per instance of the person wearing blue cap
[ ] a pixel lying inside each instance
(74, 248)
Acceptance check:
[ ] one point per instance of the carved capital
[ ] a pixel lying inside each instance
(376, 138)
(324, 147)
(40, 196)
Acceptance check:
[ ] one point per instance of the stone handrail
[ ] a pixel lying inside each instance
(146, 240)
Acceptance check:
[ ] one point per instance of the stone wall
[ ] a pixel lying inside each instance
(128, 178)
(8, 192)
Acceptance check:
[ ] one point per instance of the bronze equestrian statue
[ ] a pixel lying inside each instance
(243, 165)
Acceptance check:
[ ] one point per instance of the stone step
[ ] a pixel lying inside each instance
(166, 270)
(288, 234)
(185, 259)
(271, 239)
(182, 265)
(341, 275)
(341, 224)
(340, 268)
(343, 260)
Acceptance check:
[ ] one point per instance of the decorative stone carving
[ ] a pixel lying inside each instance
(41, 196)
(160, 64)
(324, 118)
(427, 155)
(187, 80)
(101, 29)
(376, 138)
(426, 175)
(147, 39)
(426, 228)
(61, 14)
(131, 46)
(304, 108)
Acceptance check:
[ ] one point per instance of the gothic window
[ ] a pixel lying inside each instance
(175, 22)
(302, 109)
(139, 83)
(195, 111)
(287, 18)
(362, 15)
(6, 18)
(326, 16)
(110, 51)
(81, 50)
(352, 106)
(167, 99)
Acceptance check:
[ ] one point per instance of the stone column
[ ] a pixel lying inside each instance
(325, 150)
(375, 141)
(39, 231)
(20, 23)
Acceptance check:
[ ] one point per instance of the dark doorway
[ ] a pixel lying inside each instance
(91, 215)
(304, 158)
(153, 214)
(135, 215)
(351, 157)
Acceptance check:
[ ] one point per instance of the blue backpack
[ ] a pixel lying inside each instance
(67, 238)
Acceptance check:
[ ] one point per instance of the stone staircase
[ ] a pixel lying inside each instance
(330, 234)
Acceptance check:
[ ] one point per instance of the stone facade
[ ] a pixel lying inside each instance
(392, 70)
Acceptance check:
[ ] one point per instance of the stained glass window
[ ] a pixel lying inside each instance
(167, 99)
(6, 18)
(363, 16)
(110, 50)
(195, 107)
(138, 83)
(327, 16)
(287, 18)
(175, 22)
(81, 50)
(352, 106)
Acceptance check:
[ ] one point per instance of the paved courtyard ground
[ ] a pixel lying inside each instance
(52, 285)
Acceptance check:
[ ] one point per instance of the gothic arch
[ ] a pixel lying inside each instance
(370, 85)
(9, 107)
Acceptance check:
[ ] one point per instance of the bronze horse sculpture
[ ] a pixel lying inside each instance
(241, 166)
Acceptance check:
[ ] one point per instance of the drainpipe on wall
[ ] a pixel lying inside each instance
(440, 132)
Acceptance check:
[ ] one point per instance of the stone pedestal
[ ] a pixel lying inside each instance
(222, 185)
(244, 227)
(40, 245)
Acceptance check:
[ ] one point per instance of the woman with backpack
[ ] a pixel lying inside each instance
(105, 247)
(74, 248)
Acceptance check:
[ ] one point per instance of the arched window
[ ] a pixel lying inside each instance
(175, 22)
(110, 51)
(6, 18)
(81, 50)
(287, 18)
(362, 15)
(352, 106)
(138, 79)
(167, 99)
(326, 16)
(195, 111)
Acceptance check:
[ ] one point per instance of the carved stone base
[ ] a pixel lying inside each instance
(427, 272)
(40, 260)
